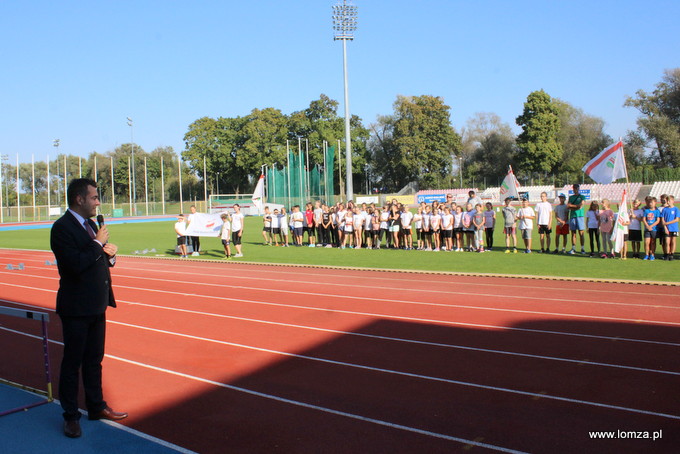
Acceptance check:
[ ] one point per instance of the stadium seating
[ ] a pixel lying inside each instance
(613, 191)
(666, 187)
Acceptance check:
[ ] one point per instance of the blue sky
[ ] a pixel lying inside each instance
(74, 70)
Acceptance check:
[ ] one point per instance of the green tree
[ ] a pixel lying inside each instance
(660, 120)
(488, 147)
(539, 149)
(581, 137)
(220, 142)
(319, 122)
(424, 141)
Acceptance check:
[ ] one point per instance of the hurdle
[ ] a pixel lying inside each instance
(43, 318)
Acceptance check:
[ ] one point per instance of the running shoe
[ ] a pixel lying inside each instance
(646, 257)
(651, 257)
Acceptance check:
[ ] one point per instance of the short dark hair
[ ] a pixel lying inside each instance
(78, 187)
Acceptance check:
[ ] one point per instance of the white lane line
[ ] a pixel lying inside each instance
(456, 292)
(444, 294)
(419, 320)
(401, 373)
(126, 266)
(408, 341)
(183, 266)
(297, 403)
(385, 371)
(383, 300)
(415, 303)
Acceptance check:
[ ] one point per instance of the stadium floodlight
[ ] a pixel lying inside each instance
(134, 185)
(345, 24)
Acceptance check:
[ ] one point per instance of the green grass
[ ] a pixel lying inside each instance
(160, 236)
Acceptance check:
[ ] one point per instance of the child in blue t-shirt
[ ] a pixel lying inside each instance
(669, 220)
(650, 220)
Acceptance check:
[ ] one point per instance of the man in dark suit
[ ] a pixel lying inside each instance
(84, 256)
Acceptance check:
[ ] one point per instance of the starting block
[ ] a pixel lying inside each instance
(17, 267)
(48, 263)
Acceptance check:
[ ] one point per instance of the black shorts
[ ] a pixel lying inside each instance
(266, 229)
(276, 231)
(181, 240)
(225, 242)
(406, 232)
(544, 229)
(235, 238)
(650, 234)
(672, 235)
(447, 233)
(635, 235)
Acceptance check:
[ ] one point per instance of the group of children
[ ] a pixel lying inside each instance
(450, 227)
(641, 226)
(438, 227)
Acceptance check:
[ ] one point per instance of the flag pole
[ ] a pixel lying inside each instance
(625, 167)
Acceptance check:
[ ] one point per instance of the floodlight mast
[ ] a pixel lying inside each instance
(130, 123)
(344, 25)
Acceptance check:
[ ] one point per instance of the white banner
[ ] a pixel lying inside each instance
(203, 224)
(258, 195)
(622, 219)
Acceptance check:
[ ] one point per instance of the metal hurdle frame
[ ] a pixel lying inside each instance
(44, 319)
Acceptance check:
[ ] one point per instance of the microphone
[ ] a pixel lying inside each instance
(100, 220)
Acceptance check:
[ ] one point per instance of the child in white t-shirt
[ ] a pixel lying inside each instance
(225, 234)
(526, 216)
(283, 225)
(544, 213)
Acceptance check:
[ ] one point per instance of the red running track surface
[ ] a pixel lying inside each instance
(226, 357)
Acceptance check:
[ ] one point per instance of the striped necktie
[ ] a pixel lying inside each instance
(89, 229)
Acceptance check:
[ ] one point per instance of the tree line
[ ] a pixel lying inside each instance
(415, 143)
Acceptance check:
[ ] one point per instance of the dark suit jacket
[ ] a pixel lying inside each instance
(85, 279)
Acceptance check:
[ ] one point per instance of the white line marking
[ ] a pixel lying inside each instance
(183, 266)
(391, 372)
(387, 300)
(416, 319)
(298, 403)
(409, 341)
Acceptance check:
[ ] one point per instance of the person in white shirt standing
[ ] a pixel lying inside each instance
(225, 235)
(526, 216)
(181, 231)
(237, 229)
(406, 219)
(544, 212)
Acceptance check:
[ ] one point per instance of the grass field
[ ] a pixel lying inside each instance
(160, 236)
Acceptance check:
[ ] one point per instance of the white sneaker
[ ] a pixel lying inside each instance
(238, 255)
(195, 254)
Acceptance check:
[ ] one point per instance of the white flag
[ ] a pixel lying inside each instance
(510, 186)
(622, 220)
(258, 195)
(608, 166)
(203, 224)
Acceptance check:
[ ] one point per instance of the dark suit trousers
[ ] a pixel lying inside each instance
(83, 349)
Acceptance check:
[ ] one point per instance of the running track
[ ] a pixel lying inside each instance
(221, 357)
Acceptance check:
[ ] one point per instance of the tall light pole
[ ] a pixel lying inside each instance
(55, 142)
(344, 24)
(134, 185)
